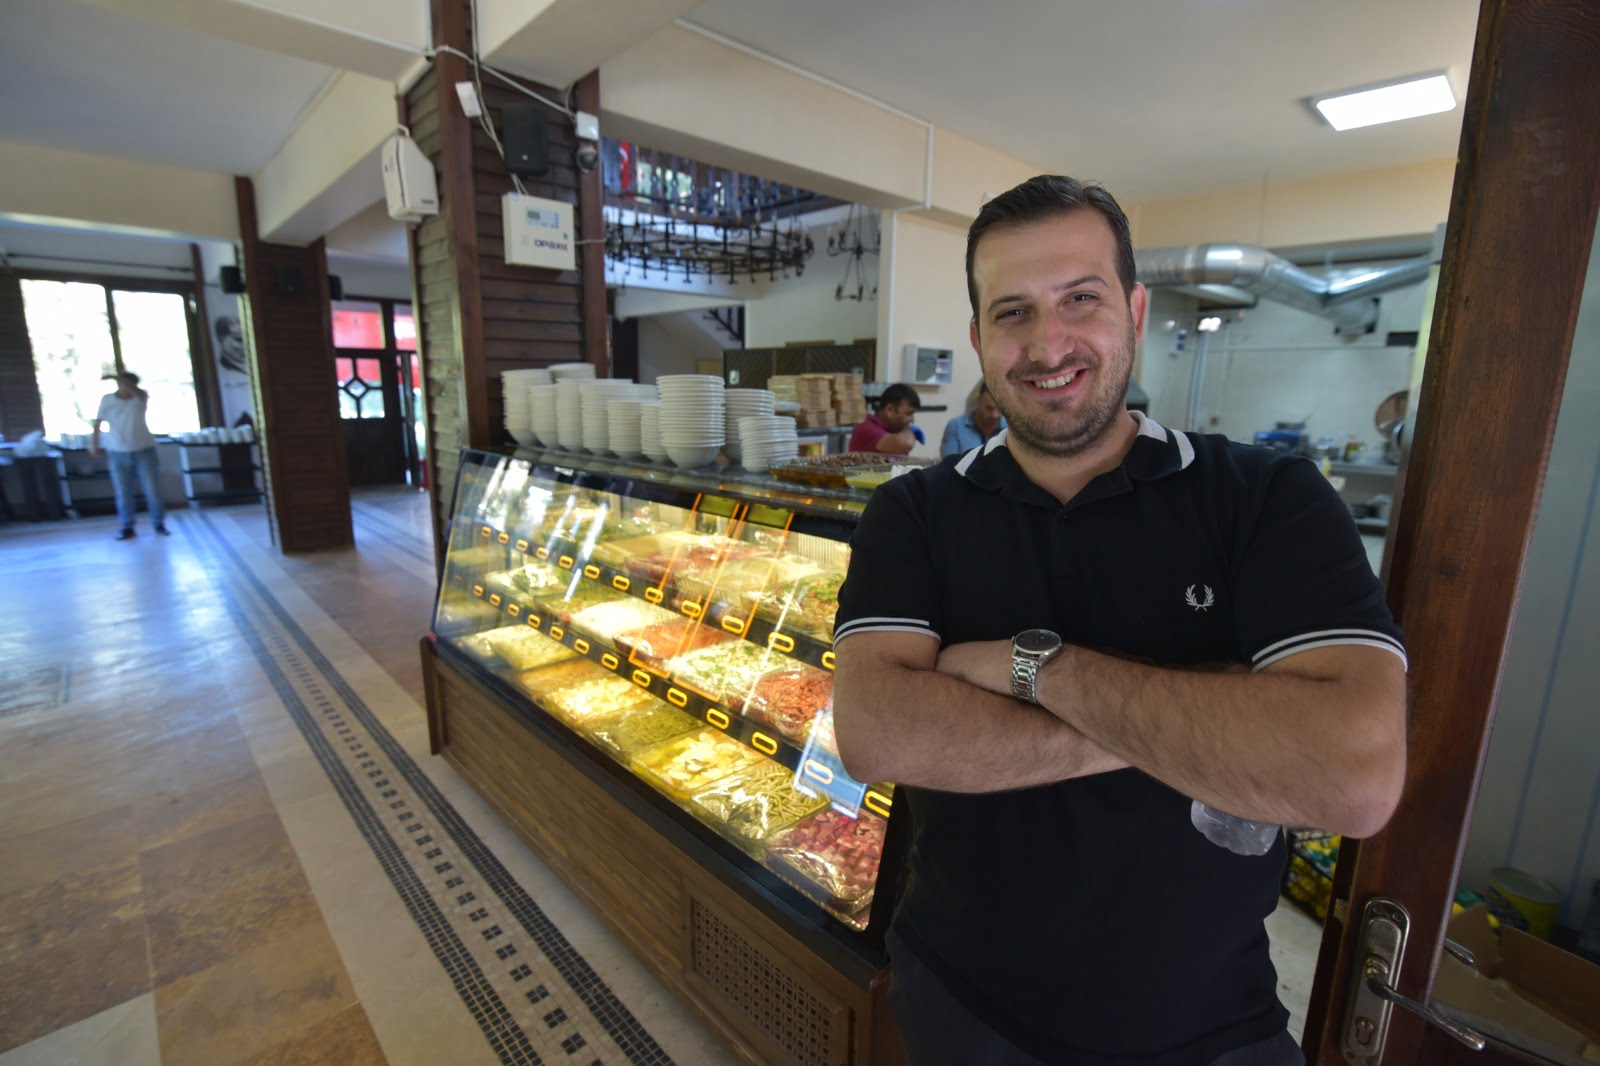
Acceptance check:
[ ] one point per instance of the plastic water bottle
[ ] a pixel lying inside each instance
(1239, 835)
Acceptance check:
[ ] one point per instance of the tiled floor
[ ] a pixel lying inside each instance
(222, 839)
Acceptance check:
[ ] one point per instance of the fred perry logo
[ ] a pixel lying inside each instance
(1196, 602)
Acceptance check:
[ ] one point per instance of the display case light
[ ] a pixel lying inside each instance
(1427, 94)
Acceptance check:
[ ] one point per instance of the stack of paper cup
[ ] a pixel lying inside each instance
(693, 418)
(743, 403)
(767, 439)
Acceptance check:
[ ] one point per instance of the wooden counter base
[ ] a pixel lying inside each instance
(769, 996)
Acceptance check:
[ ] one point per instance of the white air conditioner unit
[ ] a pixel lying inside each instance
(408, 181)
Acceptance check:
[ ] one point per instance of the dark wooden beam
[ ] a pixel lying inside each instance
(1522, 218)
(206, 385)
(592, 256)
(289, 335)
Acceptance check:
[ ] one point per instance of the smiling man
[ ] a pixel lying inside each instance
(1066, 640)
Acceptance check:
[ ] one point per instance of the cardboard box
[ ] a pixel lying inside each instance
(1522, 991)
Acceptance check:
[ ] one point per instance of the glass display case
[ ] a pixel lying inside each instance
(678, 627)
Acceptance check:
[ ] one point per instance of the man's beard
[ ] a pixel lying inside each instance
(1042, 434)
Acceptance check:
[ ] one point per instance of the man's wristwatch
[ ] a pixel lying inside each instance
(1031, 649)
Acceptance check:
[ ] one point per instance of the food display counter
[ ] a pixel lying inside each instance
(634, 665)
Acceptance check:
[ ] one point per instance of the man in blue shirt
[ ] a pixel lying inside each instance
(968, 431)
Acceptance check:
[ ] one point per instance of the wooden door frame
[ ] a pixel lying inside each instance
(1517, 246)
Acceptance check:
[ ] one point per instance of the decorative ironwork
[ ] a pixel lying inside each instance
(681, 218)
(848, 240)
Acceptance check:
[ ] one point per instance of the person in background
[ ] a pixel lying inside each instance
(970, 430)
(130, 448)
(889, 428)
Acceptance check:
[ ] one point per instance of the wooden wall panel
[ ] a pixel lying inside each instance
(289, 336)
(480, 316)
(20, 410)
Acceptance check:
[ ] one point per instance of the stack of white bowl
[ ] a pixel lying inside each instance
(624, 427)
(572, 370)
(693, 418)
(569, 414)
(650, 433)
(542, 412)
(744, 403)
(767, 439)
(593, 397)
(514, 394)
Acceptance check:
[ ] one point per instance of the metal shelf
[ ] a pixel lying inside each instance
(1365, 469)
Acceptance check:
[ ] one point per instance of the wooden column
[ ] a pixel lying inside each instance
(289, 333)
(1522, 219)
(20, 410)
(592, 256)
(478, 316)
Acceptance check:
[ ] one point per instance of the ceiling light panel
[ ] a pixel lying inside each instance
(1429, 94)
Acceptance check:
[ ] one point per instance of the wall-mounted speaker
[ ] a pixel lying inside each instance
(291, 282)
(232, 280)
(526, 139)
(335, 287)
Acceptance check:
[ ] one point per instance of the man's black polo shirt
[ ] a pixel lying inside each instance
(1089, 921)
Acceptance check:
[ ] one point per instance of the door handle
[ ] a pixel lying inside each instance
(1384, 927)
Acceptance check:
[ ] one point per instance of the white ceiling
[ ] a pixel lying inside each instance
(82, 78)
(1157, 98)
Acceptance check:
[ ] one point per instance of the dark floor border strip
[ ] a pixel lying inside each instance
(501, 1030)
(611, 1013)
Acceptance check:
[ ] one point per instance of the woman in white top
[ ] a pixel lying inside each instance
(130, 447)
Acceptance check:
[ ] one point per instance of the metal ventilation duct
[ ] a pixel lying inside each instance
(1349, 304)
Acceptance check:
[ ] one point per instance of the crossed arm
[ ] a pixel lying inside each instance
(1317, 739)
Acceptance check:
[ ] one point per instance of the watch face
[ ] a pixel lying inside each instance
(1036, 642)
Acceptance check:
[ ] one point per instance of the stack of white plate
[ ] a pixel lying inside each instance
(569, 414)
(542, 411)
(744, 403)
(650, 432)
(593, 397)
(767, 439)
(584, 371)
(693, 418)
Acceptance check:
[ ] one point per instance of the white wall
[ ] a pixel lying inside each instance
(670, 344)
(1540, 795)
(1278, 363)
(922, 299)
(804, 309)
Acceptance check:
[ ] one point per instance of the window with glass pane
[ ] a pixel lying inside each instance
(153, 328)
(360, 388)
(358, 324)
(71, 337)
(405, 328)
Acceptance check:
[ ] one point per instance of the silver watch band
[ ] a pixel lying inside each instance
(1025, 677)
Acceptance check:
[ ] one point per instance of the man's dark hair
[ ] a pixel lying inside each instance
(898, 393)
(1045, 197)
(133, 379)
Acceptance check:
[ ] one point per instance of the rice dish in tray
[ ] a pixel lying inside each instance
(606, 620)
(548, 679)
(523, 648)
(587, 700)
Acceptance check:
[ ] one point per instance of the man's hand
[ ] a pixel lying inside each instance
(984, 663)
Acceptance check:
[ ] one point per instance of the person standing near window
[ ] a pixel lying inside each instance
(130, 448)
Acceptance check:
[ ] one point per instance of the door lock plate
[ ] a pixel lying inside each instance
(1384, 926)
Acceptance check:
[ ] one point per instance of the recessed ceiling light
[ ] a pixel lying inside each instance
(1428, 94)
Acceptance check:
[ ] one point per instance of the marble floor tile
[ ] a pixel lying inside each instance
(37, 858)
(211, 897)
(243, 1007)
(345, 1039)
(124, 1035)
(71, 949)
